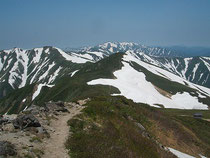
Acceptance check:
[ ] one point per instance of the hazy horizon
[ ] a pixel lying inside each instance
(69, 23)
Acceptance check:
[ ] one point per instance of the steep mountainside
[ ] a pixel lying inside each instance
(156, 122)
(48, 73)
(143, 82)
(19, 68)
(193, 69)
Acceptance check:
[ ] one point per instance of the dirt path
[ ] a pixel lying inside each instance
(54, 146)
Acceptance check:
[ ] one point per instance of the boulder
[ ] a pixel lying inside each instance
(7, 149)
(8, 127)
(3, 121)
(56, 106)
(24, 121)
(11, 117)
(34, 109)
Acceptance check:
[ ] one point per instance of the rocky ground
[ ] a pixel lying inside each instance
(38, 131)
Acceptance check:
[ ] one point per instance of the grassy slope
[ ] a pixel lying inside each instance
(67, 88)
(74, 88)
(13, 102)
(200, 127)
(107, 128)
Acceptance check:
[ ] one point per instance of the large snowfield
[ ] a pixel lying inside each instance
(133, 85)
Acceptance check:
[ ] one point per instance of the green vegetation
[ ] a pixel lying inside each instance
(200, 127)
(161, 82)
(13, 102)
(35, 139)
(74, 88)
(170, 87)
(189, 113)
(108, 128)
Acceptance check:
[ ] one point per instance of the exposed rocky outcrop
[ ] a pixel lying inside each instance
(56, 106)
(7, 149)
(24, 121)
(29, 133)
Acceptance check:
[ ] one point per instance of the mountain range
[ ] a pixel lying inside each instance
(112, 100)
(156, 76)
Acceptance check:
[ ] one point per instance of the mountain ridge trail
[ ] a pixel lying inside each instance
(54, 147)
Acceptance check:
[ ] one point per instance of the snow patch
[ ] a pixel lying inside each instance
(73, 58)
(55, 74)
(163, 73)
(133, 85)
(194, 70)
(202, 156)
(46, 72)
(180, 154)
(73, 73)
(39, 88)
(38, 53)
(99, 54)
(24, 100)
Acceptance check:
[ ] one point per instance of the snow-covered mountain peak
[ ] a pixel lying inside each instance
(114, 47)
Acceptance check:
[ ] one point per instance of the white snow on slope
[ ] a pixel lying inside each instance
(24, 100)
(37, 67)
(73, 73)
(46, 72)
(1, 65)
(194, 70)
(8, 51)
(180, 154)
(207, 58)
(86, 56)
(39, 88)
(72, 58)
(13, 74)
(202, 156)
(47, 51)
(22, 59)
(38, 54)
(55, 74)
(133, 85)
(163, 73)
(24, 62)
(206, 64)
(99, 54)
(8, 64)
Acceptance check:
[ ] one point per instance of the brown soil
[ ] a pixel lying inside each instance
(54, 146)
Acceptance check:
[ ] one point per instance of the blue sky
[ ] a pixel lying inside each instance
(74, 23)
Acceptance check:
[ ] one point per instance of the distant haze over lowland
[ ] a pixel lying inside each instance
(62, 23)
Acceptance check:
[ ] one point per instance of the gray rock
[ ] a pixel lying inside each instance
(8, 127)
(3, 121)
(24, 121)
(140, 126)
(56, 106)
(7, 149)
(41, 130)
(35, 110)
